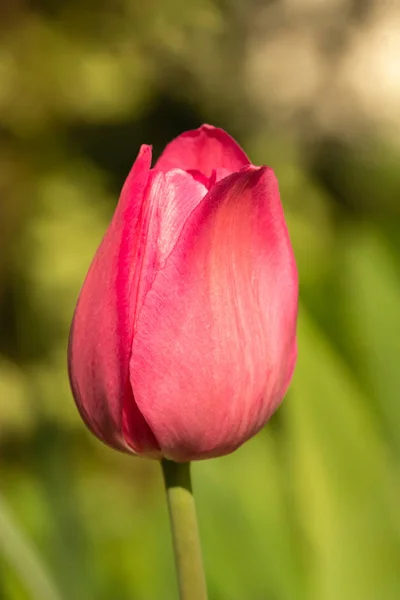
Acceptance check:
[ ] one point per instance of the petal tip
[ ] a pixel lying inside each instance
(145, 151)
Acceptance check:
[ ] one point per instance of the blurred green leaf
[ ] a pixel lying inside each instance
(371, 304)
(22, 557)
(245, 512)
(344, 480)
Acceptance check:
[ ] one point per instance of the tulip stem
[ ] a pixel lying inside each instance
(185, 533)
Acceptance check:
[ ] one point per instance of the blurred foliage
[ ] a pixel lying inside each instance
(309, 509)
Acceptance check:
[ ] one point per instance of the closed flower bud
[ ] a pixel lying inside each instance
(183, 341)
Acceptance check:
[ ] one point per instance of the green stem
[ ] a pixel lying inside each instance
(182, 512)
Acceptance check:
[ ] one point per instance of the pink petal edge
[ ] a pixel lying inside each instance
(204, 149)
(104, 314)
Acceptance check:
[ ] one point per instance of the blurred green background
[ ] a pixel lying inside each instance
(310, 508)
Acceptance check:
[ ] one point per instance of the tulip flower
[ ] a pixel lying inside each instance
(183, 342)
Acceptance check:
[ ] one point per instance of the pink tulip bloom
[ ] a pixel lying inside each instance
(183, 341)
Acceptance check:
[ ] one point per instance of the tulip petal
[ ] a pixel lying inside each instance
(215, 344)
(173, 196)
(205, 149)
(102, 328)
